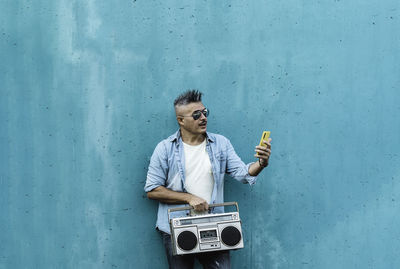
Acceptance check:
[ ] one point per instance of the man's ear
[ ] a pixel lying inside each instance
(180, 120)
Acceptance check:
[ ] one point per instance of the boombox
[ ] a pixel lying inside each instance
(203, 233)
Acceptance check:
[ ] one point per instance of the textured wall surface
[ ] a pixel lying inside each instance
(86, 94)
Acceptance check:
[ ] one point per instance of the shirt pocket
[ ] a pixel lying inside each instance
(220, 162)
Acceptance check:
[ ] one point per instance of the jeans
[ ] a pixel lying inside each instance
(209, 260)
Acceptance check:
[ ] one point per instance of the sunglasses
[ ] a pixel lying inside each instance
(197, 114)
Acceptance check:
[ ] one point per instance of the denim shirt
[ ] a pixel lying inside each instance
(167, 168)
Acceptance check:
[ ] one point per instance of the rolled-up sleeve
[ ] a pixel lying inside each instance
(236, 168)
(158, 169)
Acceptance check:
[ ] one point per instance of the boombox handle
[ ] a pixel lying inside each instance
(212, 205)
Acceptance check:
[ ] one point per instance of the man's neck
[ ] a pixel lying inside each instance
(192, 139)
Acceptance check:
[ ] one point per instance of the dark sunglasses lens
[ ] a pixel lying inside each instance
(196, 115)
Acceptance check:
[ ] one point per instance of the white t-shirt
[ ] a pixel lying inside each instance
(199, 179)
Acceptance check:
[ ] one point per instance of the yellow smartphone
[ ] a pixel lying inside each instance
(265, 136)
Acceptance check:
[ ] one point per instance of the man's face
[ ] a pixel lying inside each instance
(186, 121)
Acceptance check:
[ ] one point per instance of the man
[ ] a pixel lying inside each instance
(189, 167)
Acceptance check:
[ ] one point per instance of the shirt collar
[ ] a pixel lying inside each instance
(177, 135)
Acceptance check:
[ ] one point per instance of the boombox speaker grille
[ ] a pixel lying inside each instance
(187, 240)
(230, 236)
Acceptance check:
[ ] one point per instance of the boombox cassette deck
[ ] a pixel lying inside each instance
(209, 232)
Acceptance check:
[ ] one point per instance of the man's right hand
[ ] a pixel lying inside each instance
(199, 204)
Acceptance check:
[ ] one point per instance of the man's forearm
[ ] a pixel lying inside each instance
(255, 168)
(168, 196)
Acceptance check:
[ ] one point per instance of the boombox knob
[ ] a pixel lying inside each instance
(230, 236)
(187, 240)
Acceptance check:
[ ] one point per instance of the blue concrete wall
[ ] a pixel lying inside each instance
(86, 94)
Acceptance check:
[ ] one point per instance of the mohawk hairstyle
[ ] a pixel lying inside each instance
(190, 96)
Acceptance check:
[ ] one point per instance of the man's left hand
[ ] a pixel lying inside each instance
(263, 152)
